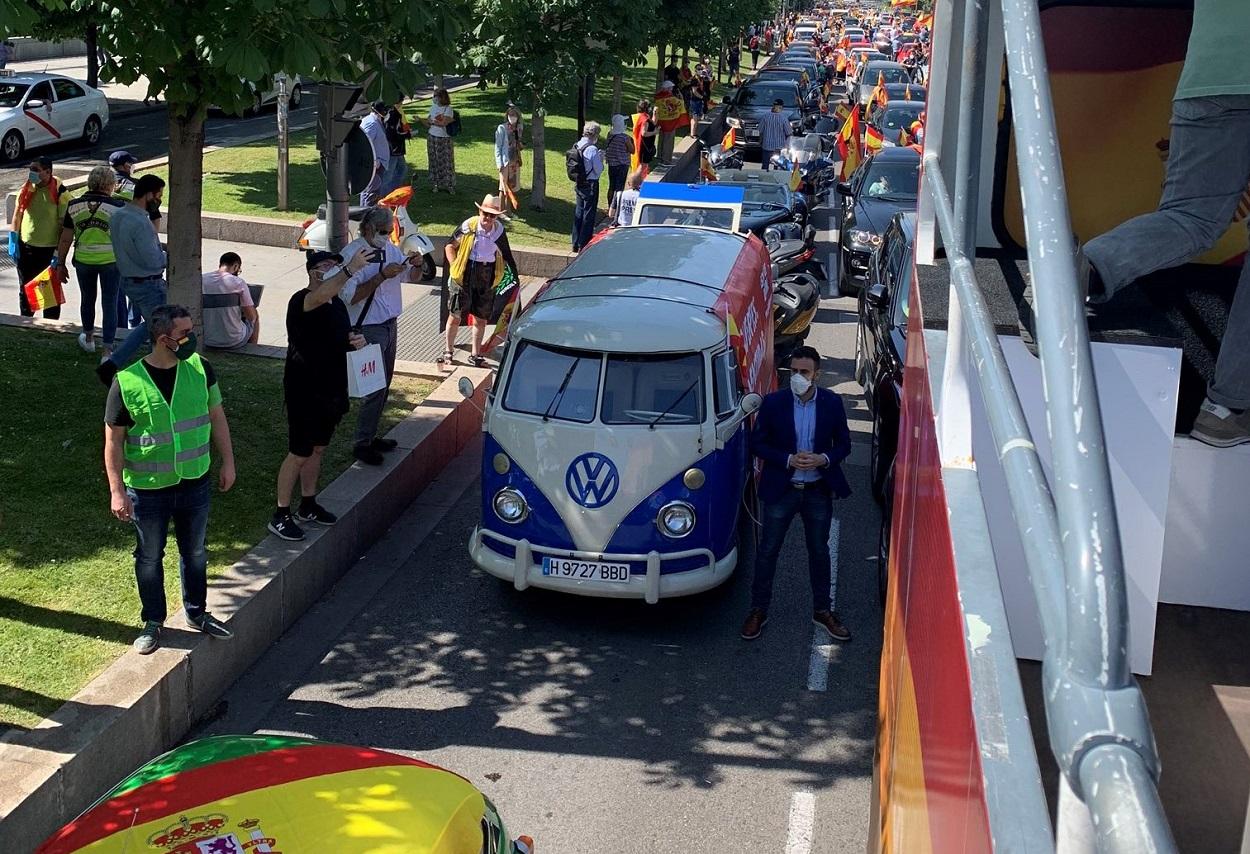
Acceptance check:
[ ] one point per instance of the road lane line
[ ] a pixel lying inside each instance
(802, 819)
(822, 648)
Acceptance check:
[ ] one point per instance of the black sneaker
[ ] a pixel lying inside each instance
(384, 445)
(368, 455)
(314, 512)
(149, 639)
(210, 626)
(106, 370)
(284, 526)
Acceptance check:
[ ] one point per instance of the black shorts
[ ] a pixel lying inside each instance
(477, 297)
(311, 424)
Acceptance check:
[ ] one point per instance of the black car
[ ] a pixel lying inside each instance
(882, 186)
(881, 342)
(766, 201)
(746, 106)
(781, 72)
(905, 92)
(895, 117)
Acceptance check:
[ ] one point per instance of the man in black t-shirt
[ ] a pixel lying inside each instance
(314, 384)
(398, 132)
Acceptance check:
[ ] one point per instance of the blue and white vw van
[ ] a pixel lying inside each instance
(615, 459)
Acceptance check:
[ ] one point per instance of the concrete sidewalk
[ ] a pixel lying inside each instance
(124, 99)
(281, 271)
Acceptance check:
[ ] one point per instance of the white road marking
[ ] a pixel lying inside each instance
(802, 820)
(822, 648)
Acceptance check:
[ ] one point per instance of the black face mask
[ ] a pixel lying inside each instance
(186, 347)
(153, 206)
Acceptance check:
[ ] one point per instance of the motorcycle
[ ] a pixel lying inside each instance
(718, 158)
(796, 297)
(808, 155)
(406, 234)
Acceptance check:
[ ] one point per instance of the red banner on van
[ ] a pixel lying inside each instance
(746, 306)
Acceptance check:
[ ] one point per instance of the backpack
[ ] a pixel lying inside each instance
(453, 127)
(755, 42)
(575, 165)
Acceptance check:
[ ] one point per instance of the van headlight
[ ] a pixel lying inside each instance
(510, 506)
(675, 519)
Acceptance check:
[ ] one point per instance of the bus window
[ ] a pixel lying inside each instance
(553, 383)
(654, 214)
(664, 389)
(726, 389)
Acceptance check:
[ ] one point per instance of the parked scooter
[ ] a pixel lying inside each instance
(718, 158)
(407, 235)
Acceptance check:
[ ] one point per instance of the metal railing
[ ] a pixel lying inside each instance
(1097, 722)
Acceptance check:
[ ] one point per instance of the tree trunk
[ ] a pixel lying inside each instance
(438, 80)
(184, 198)
(685, 57)
(538, 157)
(661, 52)
(616, 92)
(93, 55)
(581, 107)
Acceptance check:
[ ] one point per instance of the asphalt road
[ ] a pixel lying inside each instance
(597, 725)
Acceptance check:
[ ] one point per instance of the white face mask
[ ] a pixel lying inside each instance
(377, 241)
(799, 384)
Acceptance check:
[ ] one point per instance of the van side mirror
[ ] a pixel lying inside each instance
(466, 388)
(750, 403)
(844, 188)
(876, 295)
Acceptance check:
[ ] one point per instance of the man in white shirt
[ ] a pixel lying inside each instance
(374, 301)
(587, 207)
(235, 321)
(374, 127)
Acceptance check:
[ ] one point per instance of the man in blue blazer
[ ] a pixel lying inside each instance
(801, 436)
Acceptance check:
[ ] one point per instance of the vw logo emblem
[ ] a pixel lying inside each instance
(592, 480)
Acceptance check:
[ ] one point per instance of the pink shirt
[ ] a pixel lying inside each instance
(225, 327)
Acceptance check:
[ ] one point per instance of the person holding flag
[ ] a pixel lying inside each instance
(508, 155)
(670, 114)
(41, 207)
(644, 138)
(479, 263)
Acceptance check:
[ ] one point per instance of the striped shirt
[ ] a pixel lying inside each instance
(774, 131)
(618, 150)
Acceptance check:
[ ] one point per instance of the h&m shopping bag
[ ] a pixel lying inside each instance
(365, 371)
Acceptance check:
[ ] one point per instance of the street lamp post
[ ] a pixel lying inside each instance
(284, 153)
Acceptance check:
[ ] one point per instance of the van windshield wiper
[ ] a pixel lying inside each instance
(673, 405)
(564, 383)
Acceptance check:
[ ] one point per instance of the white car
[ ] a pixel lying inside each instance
(42, 109)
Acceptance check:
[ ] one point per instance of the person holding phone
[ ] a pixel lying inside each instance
(374, 302)
(314, 384)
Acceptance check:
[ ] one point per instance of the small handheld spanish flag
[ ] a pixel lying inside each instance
(44, 291)
(796, 180)
(874, 140)
(730, 139)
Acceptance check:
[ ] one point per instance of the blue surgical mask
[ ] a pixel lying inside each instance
(33, 176)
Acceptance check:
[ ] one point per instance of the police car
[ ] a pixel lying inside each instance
(42, 109)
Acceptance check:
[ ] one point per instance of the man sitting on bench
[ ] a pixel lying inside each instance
(230, 317)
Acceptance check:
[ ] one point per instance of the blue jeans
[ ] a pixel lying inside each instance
(187, 506)
(584, 213)
(104, 278)
(370, 194)
(395, 174)
(1207, 172)
(147, 294)
(814, 505)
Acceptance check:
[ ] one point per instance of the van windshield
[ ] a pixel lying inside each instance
(554, 383)
(664, 214)
(649, 389)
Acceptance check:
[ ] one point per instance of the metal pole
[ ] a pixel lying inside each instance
(337, 198)
(284, 112)
(1116, 783)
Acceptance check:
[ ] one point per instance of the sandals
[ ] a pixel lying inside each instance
(477, 361)
(448, 358)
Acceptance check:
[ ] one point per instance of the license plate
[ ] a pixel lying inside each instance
(753, 133)
(585, 570)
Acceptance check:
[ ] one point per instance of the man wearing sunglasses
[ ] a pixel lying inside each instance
(162, 414)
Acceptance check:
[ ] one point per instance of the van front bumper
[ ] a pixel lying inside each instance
(651, 586)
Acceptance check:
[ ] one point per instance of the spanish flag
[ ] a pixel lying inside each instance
(640, 124)
(848, 144)
(796, 180)
(878, 93)
(44, 291)
(730, 139)
(874, 140)
(925, 20)
(894, 4)
(842, 113)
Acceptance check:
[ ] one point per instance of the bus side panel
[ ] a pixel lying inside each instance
(931, 796)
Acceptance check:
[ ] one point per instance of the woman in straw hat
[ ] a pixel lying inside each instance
(478, 261)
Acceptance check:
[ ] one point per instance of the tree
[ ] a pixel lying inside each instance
(200, 54)
(81, 19)
(542, 49)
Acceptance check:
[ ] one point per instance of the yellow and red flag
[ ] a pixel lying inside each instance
(796, 179)
(705, 168)
(878, 93)
(848, 144)
(730, 139)
(925, 20)
(44, 291)
(842, 113)
(897, 3)
(874, 140)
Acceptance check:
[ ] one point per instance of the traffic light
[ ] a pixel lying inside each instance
(335, 99)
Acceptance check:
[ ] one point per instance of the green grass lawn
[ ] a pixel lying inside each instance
(68, 604)
(241, 179)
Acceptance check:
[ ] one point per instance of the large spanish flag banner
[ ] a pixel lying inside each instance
(1109, 89)
(257, 793)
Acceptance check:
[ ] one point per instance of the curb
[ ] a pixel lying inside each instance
(139, 707)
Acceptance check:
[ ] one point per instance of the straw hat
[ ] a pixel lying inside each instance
(490, 205)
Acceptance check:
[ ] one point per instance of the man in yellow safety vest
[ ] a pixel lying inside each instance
(162, 412)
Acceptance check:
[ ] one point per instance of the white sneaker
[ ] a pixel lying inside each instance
(87, 345)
